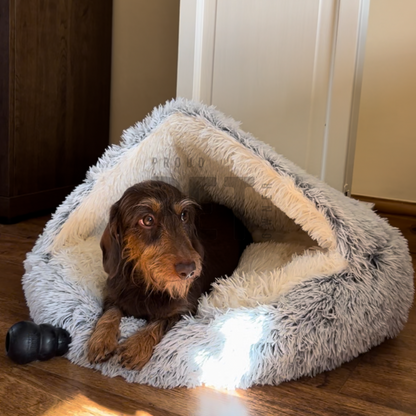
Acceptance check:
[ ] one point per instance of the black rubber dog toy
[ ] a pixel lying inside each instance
(26, 342)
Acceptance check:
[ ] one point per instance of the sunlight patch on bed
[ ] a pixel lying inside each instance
(227, 369)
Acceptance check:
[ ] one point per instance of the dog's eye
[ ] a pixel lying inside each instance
(147, 221)
(184, 216)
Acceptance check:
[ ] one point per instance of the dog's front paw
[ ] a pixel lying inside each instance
(136, 351)
(101, 348)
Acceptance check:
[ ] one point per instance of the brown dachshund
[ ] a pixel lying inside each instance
(161, 252)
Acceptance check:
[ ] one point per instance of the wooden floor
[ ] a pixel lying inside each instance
(380, 382)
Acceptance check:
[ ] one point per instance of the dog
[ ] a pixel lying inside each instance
(161, 251)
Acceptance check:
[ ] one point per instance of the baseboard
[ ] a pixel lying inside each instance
(389, 206)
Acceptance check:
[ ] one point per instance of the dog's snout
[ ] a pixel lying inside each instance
(185, 270)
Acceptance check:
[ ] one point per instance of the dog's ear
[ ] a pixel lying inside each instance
(111, 243)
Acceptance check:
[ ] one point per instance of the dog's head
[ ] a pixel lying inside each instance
(152, 236)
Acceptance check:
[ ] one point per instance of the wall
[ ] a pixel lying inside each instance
(385, 159)
(144, 59)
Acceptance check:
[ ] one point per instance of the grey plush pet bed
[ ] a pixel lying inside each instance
(325, 280)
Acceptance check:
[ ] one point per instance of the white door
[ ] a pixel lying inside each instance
(289, 70)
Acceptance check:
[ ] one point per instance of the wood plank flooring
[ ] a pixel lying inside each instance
(381, 382)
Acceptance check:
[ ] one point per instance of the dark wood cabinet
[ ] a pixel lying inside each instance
(55, 61)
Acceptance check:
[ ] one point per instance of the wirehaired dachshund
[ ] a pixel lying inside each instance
(161, 251)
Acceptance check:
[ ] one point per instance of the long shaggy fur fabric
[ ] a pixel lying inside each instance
(325, 280)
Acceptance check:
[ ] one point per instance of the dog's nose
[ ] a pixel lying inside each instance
(185, 270)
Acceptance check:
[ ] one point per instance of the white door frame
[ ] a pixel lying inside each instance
(196, 49)
(195, 76)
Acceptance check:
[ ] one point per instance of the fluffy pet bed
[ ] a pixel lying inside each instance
(325, 280)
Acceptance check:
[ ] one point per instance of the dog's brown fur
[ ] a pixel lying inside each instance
(155, 237)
